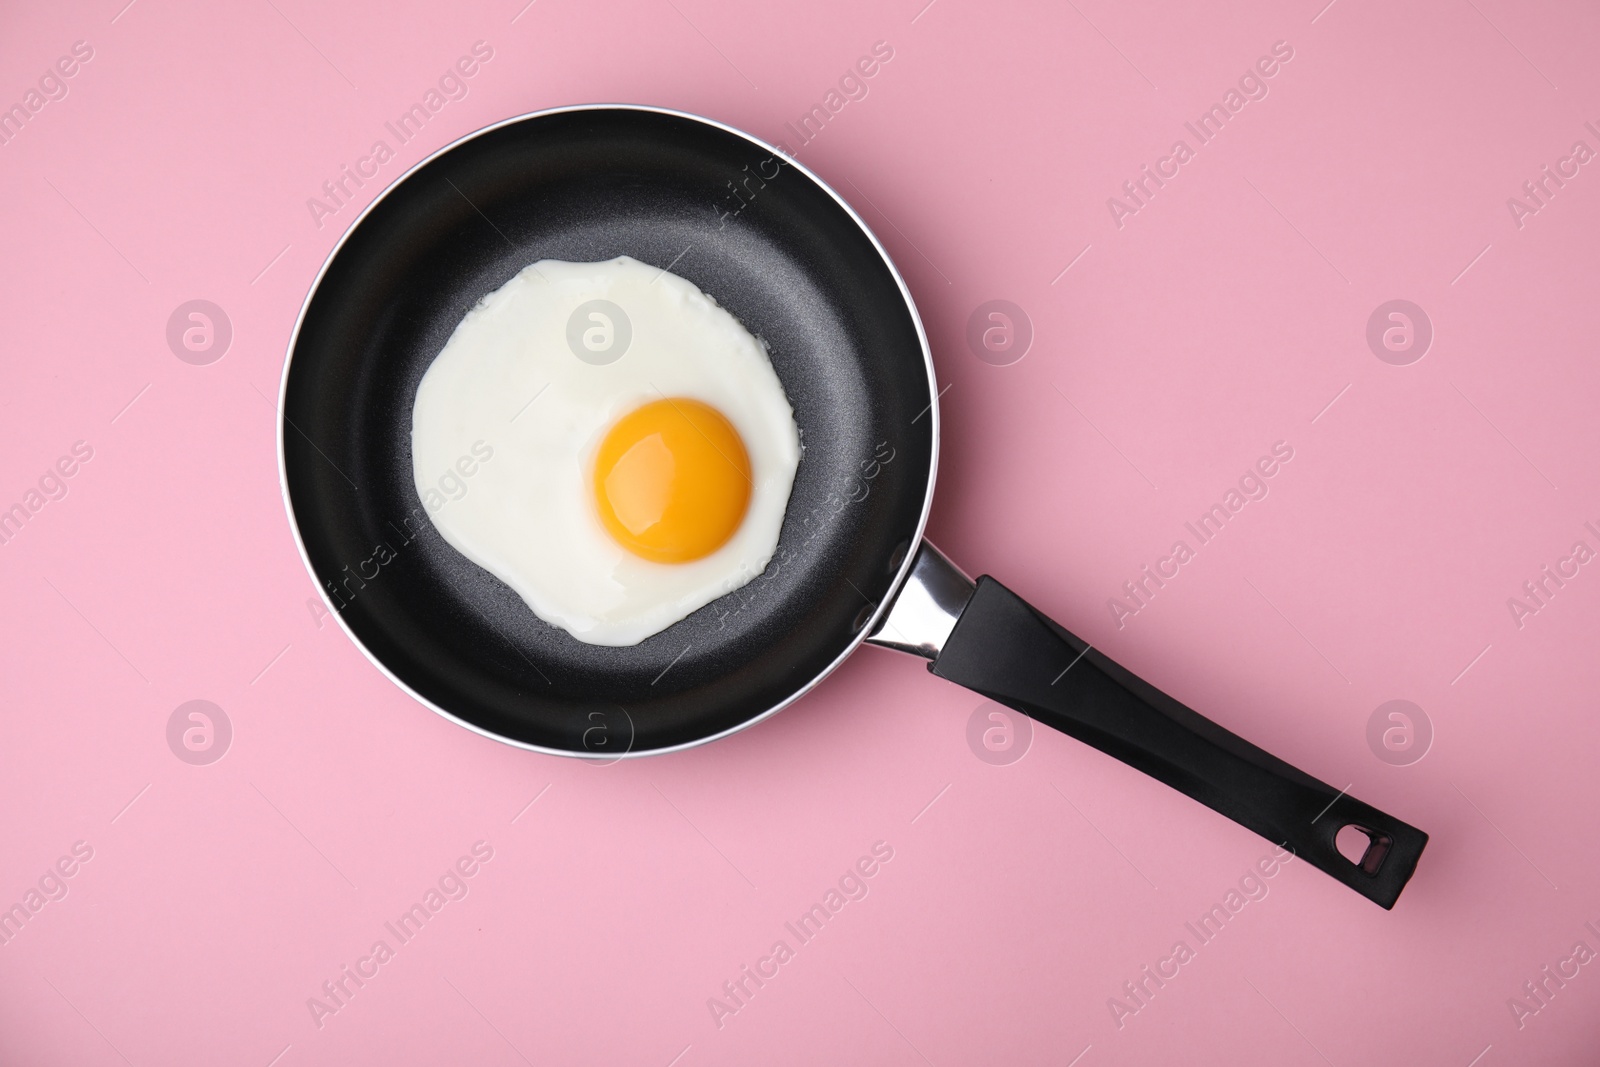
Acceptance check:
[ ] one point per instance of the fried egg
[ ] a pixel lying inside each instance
(607, 441)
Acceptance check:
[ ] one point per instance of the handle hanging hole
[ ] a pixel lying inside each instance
(1363, 847)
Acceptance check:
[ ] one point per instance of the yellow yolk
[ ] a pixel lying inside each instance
(672, 480)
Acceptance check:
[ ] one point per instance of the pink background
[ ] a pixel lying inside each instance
(1224, 316)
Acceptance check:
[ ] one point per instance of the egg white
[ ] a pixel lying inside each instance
(508, 419)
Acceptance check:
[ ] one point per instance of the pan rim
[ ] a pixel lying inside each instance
(860, 636)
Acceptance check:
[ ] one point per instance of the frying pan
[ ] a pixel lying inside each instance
(790, 259)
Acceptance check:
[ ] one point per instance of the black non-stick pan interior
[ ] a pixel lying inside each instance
(769, 244)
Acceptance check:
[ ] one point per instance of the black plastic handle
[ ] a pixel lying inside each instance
(1003, 648)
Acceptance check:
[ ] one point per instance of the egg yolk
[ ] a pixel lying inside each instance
(672, 480)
